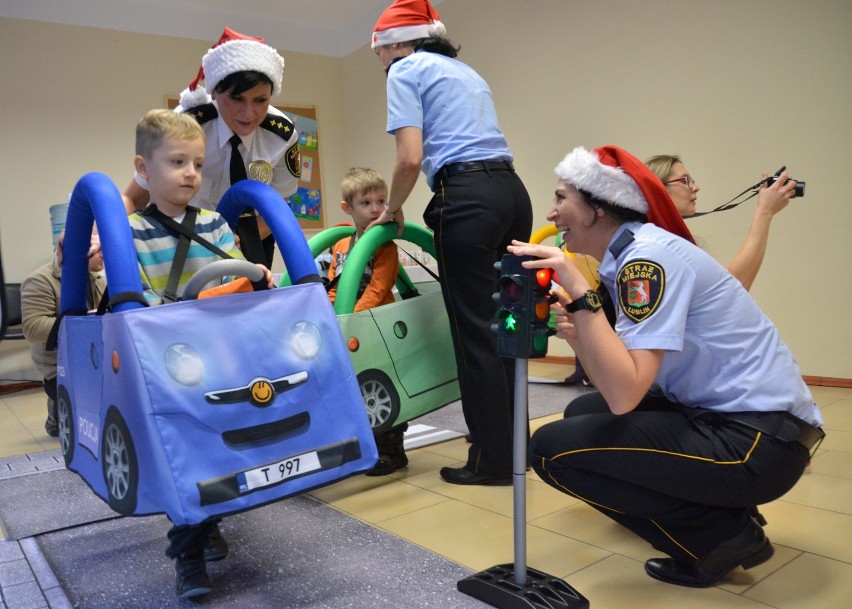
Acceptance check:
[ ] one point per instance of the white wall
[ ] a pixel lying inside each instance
(735, 87)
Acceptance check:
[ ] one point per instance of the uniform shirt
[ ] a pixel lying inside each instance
(451, 103)
(275, 141)
(376, 286)
(721, 351)
(155, 250)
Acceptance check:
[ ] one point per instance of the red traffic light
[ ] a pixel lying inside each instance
(544, 277)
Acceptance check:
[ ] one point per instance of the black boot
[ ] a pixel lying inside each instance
(578, 376)
(392, 457)
(51, 427)
(216, 547)
(748, 548)
(191, 576)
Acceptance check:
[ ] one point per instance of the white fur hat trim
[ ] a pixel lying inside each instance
(583, 170)
(239, 56)
(192, 99)
(405, 33)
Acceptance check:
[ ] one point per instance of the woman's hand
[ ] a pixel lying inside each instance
(563, 320)
(772, 199)
(387, 217)
(567, 275)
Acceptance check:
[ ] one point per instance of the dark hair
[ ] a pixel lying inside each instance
(620, 213)
(240, 82)
(438, 45)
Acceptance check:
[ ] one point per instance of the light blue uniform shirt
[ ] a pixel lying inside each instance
(722, 352)
(452, 104)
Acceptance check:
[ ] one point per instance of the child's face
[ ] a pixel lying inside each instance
(173, 172)
(244, 112)
(366, 207)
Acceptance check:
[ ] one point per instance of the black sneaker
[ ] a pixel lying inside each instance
(51, 428)
(216, 547)
(191, 577)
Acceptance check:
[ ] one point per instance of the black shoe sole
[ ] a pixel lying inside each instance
(199, 591)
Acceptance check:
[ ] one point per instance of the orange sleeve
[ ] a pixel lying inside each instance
(385, 269)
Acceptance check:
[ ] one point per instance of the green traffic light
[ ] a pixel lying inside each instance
(511, 323)
(539, 344)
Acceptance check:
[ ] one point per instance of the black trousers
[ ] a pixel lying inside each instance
(475, 216)
(189, 539)
(681, 478)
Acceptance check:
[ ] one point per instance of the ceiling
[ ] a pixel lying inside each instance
(332, 28)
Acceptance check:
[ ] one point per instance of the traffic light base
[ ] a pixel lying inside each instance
(498, 587)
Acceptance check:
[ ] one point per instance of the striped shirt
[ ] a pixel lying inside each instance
(155, 250)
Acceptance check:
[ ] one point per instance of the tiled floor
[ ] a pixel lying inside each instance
(811, 526)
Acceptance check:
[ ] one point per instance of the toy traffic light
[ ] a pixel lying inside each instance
(541, 299)
(522, 318)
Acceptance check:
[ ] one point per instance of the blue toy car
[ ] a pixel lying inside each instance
(202, 408)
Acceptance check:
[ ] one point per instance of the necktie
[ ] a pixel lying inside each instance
(238, 167)
(250, 241)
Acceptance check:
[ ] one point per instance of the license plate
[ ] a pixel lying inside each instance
(276, 472)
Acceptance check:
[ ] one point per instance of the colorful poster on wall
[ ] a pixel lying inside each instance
(307, 201)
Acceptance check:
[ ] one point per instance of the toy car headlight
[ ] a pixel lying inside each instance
(306, 340)
(184, 364)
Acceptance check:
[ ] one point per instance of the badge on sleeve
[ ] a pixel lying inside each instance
(641, 285)
(294, 160)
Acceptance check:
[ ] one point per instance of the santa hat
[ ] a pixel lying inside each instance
(234, 52)
(406, 20)
(616, 176)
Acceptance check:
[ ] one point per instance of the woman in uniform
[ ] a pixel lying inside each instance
(702, 413)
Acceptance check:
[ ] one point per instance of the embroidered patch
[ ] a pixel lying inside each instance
(641, 285)
(294, 160)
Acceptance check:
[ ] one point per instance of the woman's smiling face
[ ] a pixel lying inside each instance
(572, 216)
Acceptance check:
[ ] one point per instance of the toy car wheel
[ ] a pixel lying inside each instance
(65, 422)
(120, 467)
(380, 399)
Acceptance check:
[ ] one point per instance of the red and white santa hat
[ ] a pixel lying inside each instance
(406, 20)
(234, 52)
(616, 176)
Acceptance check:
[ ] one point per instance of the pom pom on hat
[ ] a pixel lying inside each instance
(406, 20)
(234, 52)
(614, 175)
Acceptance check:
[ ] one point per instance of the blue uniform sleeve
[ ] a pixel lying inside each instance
(405, 107)
(654, 288)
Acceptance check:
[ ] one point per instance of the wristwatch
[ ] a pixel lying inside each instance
(590, 301)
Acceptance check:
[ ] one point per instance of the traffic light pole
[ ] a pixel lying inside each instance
(517, 586)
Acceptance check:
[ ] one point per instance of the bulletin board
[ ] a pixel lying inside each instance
(306, 203)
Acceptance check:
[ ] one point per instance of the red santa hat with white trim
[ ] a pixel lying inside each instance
(616, 176)
(234, 52)
(406, 20)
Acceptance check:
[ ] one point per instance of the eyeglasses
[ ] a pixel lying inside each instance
(685, 180)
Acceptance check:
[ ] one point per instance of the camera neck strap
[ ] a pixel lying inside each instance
(734, 202)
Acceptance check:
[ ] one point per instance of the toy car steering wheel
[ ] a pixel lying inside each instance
(218, 269)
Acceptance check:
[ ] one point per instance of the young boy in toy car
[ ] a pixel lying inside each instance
(169, 156)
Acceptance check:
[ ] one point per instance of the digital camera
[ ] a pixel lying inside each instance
(800, 184)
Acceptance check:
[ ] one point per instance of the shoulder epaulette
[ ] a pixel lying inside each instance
(279, 125)
(203, 113)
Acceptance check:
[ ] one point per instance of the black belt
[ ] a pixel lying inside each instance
(781, 425)
(454, 169)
